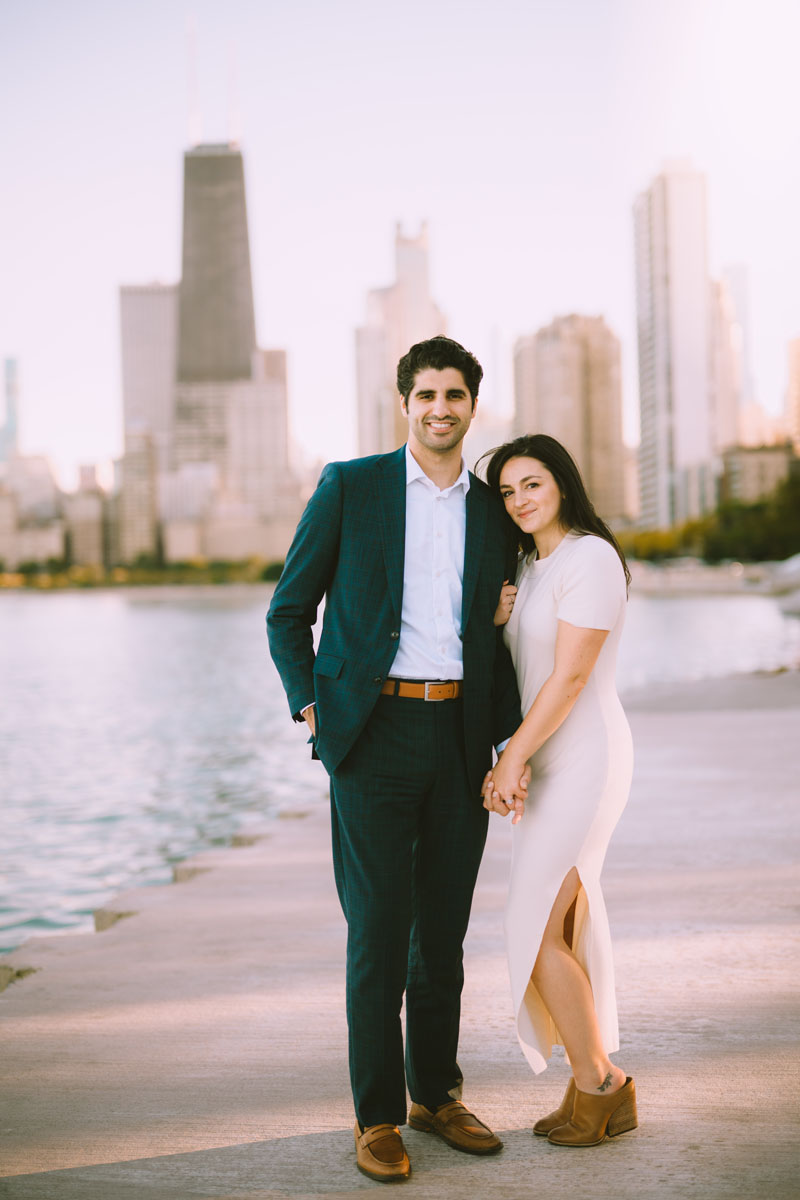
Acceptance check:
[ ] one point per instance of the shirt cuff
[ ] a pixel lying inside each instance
(500, 747)
(313, 704)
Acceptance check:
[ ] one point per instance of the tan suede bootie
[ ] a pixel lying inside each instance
(560, 1116)
(594, 1118)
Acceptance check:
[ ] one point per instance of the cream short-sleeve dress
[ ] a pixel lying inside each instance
(580, 782)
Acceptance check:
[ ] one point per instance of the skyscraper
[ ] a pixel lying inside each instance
(397, 317)
(676, 470)
(138, 499)
(217, 330)
(8, 430)
(726, 369)
(216, 323)
(567, 384)
(205, 409)
(149, 328)
(793, 394)
(230, 397)
(736, 278)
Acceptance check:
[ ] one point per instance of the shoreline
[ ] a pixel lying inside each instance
(758, 690)
(198, 1047)
(236, 586)
(664, 578)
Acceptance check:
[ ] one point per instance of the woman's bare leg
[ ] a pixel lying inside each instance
(564, 987)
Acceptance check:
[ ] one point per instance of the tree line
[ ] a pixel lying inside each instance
(766, 531)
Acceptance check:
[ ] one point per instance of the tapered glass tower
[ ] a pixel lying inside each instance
(217, 333)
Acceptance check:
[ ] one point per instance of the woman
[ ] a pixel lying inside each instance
(563, 622)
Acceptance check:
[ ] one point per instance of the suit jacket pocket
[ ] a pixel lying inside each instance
(329, 665)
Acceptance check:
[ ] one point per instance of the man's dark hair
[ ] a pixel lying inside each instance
(577, 511)
(439, 353)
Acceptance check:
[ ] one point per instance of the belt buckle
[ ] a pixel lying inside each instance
(436, 699)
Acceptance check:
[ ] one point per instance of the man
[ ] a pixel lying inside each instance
(409, 689)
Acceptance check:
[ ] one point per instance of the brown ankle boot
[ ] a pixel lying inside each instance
(560, 1116)
(594, 1118)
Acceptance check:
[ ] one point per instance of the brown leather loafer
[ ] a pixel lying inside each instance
(460, 1128)
(380, 1153)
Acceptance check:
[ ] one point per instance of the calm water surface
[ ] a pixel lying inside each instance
(139, 727)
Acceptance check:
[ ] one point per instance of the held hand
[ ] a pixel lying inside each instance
(510, 779)
(519, 799)
(505, 606)
(491, 798)
(494, 801)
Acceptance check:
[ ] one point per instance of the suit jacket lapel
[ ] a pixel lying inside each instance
(391, 500)
(477, 512)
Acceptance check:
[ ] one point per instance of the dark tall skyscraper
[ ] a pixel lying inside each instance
(206, 470)
(217, 333)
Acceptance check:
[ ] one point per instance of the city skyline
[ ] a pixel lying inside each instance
(523, 140)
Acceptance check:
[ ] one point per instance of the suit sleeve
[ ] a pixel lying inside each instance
(507, 710)
(306, 576)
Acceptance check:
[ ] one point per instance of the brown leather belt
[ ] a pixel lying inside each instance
(413, 689)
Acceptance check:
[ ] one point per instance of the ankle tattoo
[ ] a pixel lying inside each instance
(606, 1083)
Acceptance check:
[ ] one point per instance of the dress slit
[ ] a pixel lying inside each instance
(536, 1030)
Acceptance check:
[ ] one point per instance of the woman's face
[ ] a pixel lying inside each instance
(531, 496)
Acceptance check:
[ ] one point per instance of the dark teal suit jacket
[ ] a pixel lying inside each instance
(349, 548)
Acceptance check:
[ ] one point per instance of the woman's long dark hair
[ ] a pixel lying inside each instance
(577, 511)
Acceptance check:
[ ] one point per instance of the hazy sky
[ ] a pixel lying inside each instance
(521, 129)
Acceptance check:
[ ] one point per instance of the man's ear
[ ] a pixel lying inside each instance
(403, 406)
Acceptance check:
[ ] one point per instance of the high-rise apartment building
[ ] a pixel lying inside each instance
(138, 499)
(726, 369)
(149, 331)
(567, 384)
(8, 430)
(30, 478)
(397, 317)
(84, 514)
(736, 278)
(752, 473)
(793, 394)
(31, 524)
(676, 458)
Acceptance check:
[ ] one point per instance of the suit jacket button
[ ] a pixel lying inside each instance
(377, 679)
(394, 635)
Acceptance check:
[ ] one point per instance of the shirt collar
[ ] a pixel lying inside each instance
(414, 471)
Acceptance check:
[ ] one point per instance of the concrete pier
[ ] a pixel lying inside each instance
(197, 1046)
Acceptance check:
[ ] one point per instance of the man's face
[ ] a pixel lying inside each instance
(439, 409)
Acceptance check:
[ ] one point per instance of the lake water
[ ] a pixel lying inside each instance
(137, 728)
